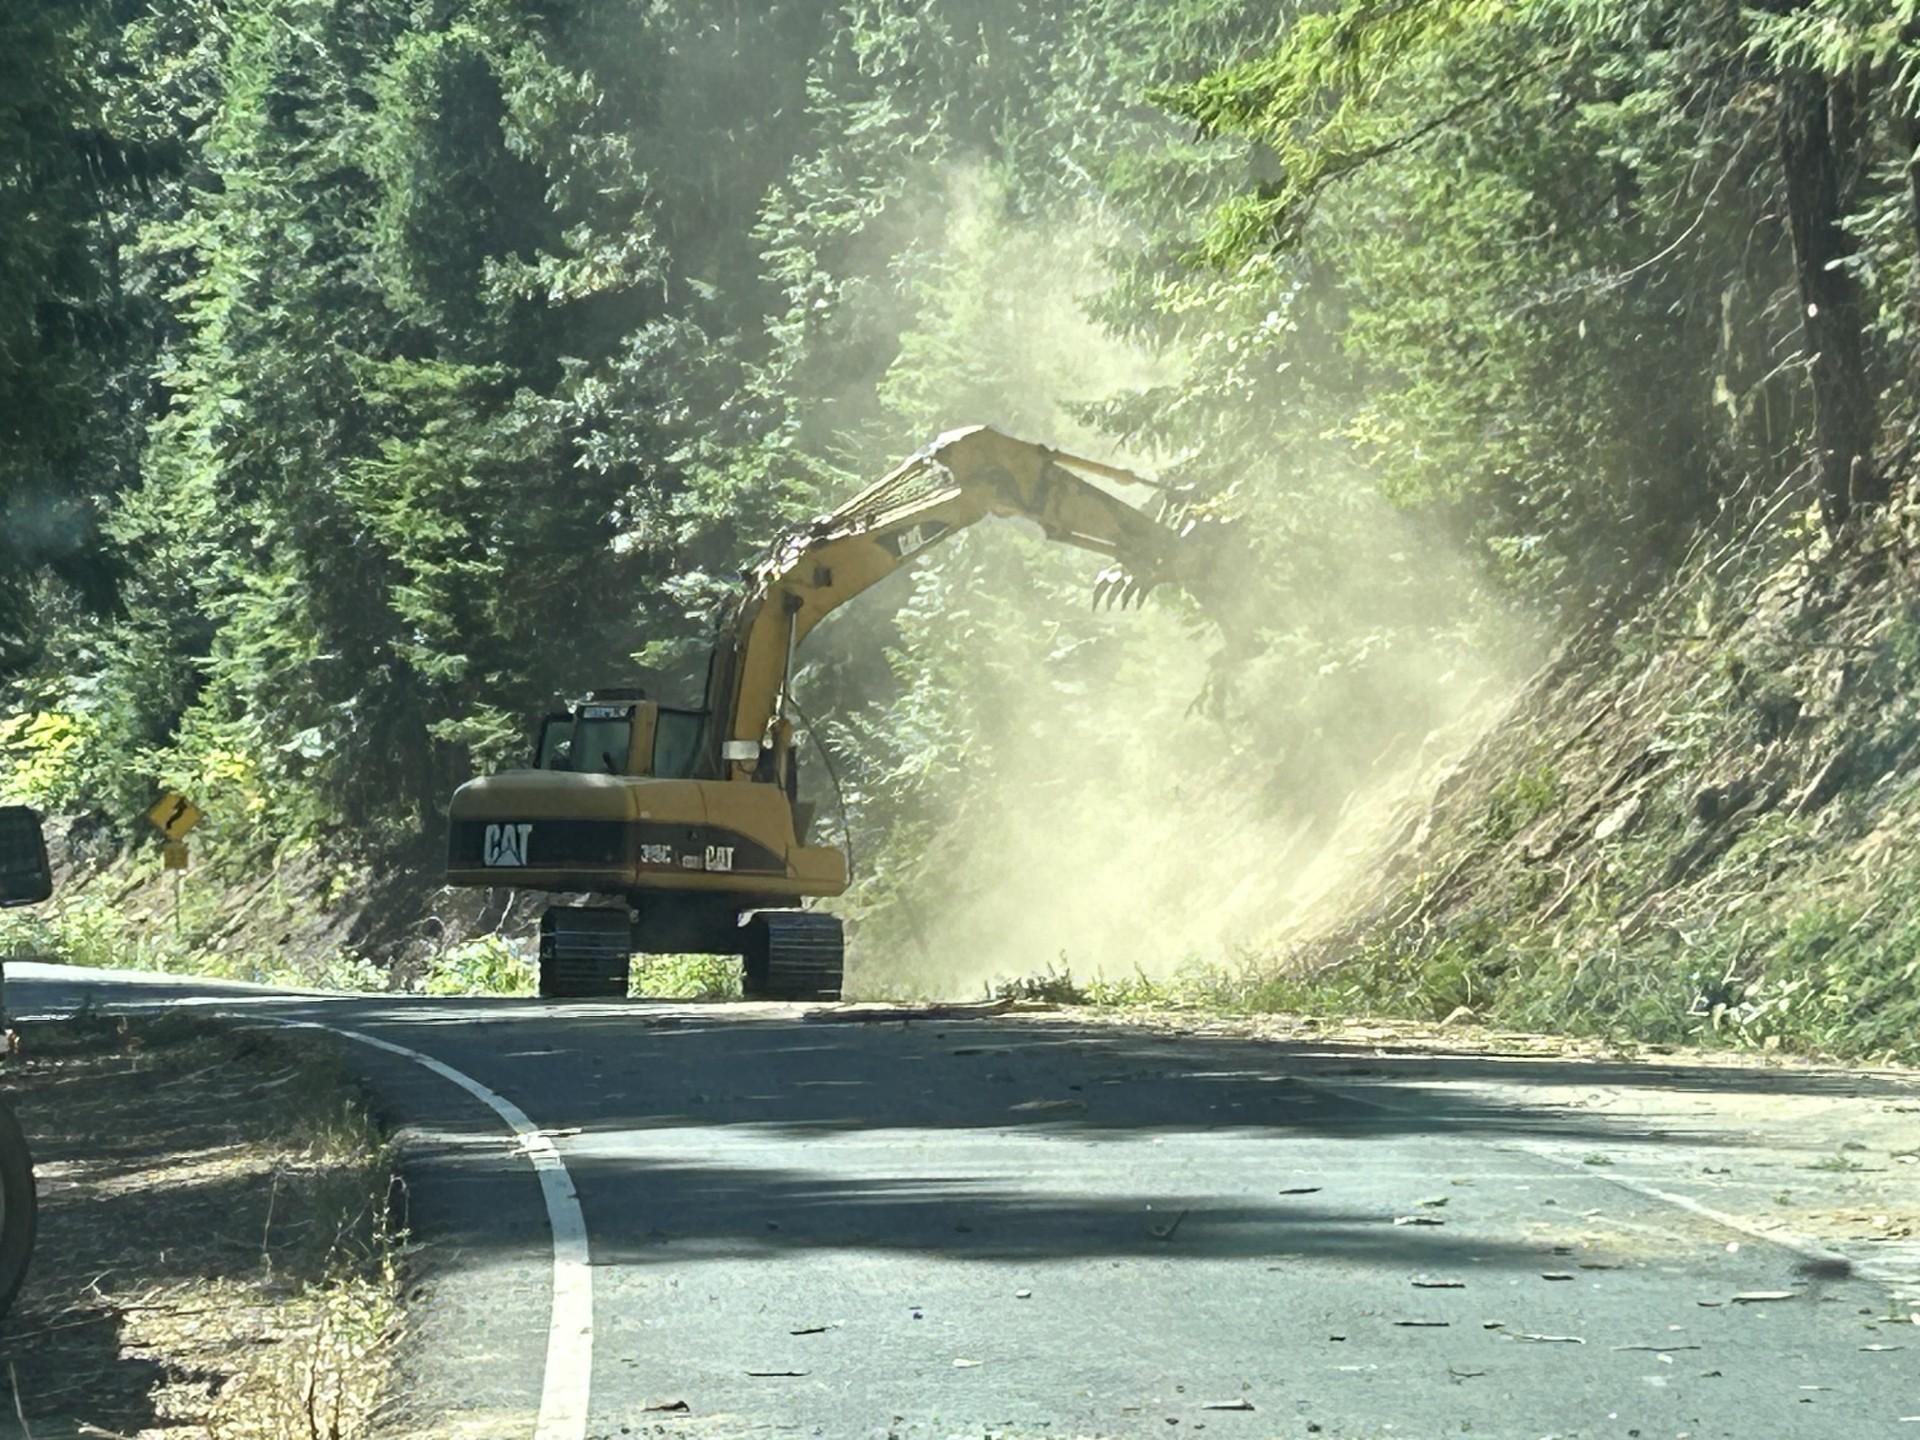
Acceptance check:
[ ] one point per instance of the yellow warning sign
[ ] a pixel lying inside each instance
(174, 816)
(173, 855)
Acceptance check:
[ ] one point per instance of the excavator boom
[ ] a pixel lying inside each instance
(963, 477)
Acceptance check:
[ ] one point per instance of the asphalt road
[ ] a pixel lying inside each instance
(803, 1224)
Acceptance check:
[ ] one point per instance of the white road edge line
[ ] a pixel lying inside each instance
(1898, 1284)
(567, 1385)
(1887, 1277)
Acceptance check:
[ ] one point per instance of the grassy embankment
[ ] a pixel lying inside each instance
(216, 1249)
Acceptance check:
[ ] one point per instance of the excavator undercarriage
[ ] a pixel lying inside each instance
(586, 950)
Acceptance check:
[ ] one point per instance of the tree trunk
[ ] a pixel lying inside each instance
(1906, 134)
(1907, 127)
(1844, 419)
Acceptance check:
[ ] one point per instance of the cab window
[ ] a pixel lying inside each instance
(676, 743)
(601, 741)
(555, 750)
(596, 741)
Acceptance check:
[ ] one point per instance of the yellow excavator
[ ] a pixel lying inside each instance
(691, 817)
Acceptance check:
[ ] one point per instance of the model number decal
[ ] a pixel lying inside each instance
(719, 857)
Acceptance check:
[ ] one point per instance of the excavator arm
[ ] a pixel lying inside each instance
(963, 477)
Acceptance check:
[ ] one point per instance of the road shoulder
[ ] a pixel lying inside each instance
(215, 1248)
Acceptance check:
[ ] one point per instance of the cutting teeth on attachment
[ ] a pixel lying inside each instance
(1115, 586)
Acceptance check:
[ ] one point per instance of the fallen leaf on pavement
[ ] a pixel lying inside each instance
(1418, 1220)
(1883, 1347)
(816, 1329)
(1023, 1294)
(1555, 1275)
(965, 1364)
(1228, 1405)
(774, 1374)
(1165, 1232)
(1425, 1283)
(1301, 1190)
(1423, 1324)
(1432, 1204)
(1760, 1297)
(1465, 1374)
(1657, 1349)
(1550, 1339)
(667, 1407)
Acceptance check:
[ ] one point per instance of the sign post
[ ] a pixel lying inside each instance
(173, 817)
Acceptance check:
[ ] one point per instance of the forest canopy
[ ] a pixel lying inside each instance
(373, 372)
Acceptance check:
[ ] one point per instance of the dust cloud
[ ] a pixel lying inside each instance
(1068, 807)
(1122, 835)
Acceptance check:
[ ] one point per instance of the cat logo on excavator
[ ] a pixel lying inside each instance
(506, 844)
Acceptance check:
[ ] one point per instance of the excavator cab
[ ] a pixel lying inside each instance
(622, 736)
(593, 739)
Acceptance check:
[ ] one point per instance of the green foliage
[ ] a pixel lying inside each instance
(1316, 99)
(94, 929)
(1551, 225)
(45, 755)
(488, 965)
(685, 977)
(1518, 801)
(68, 405)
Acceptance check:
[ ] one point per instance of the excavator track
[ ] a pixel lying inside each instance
(793, 955)
(584, 953)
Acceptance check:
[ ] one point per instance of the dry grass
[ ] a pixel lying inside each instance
(215, 1256)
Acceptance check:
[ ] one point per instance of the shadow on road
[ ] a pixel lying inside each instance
(709, 1132)
(736, 1130)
